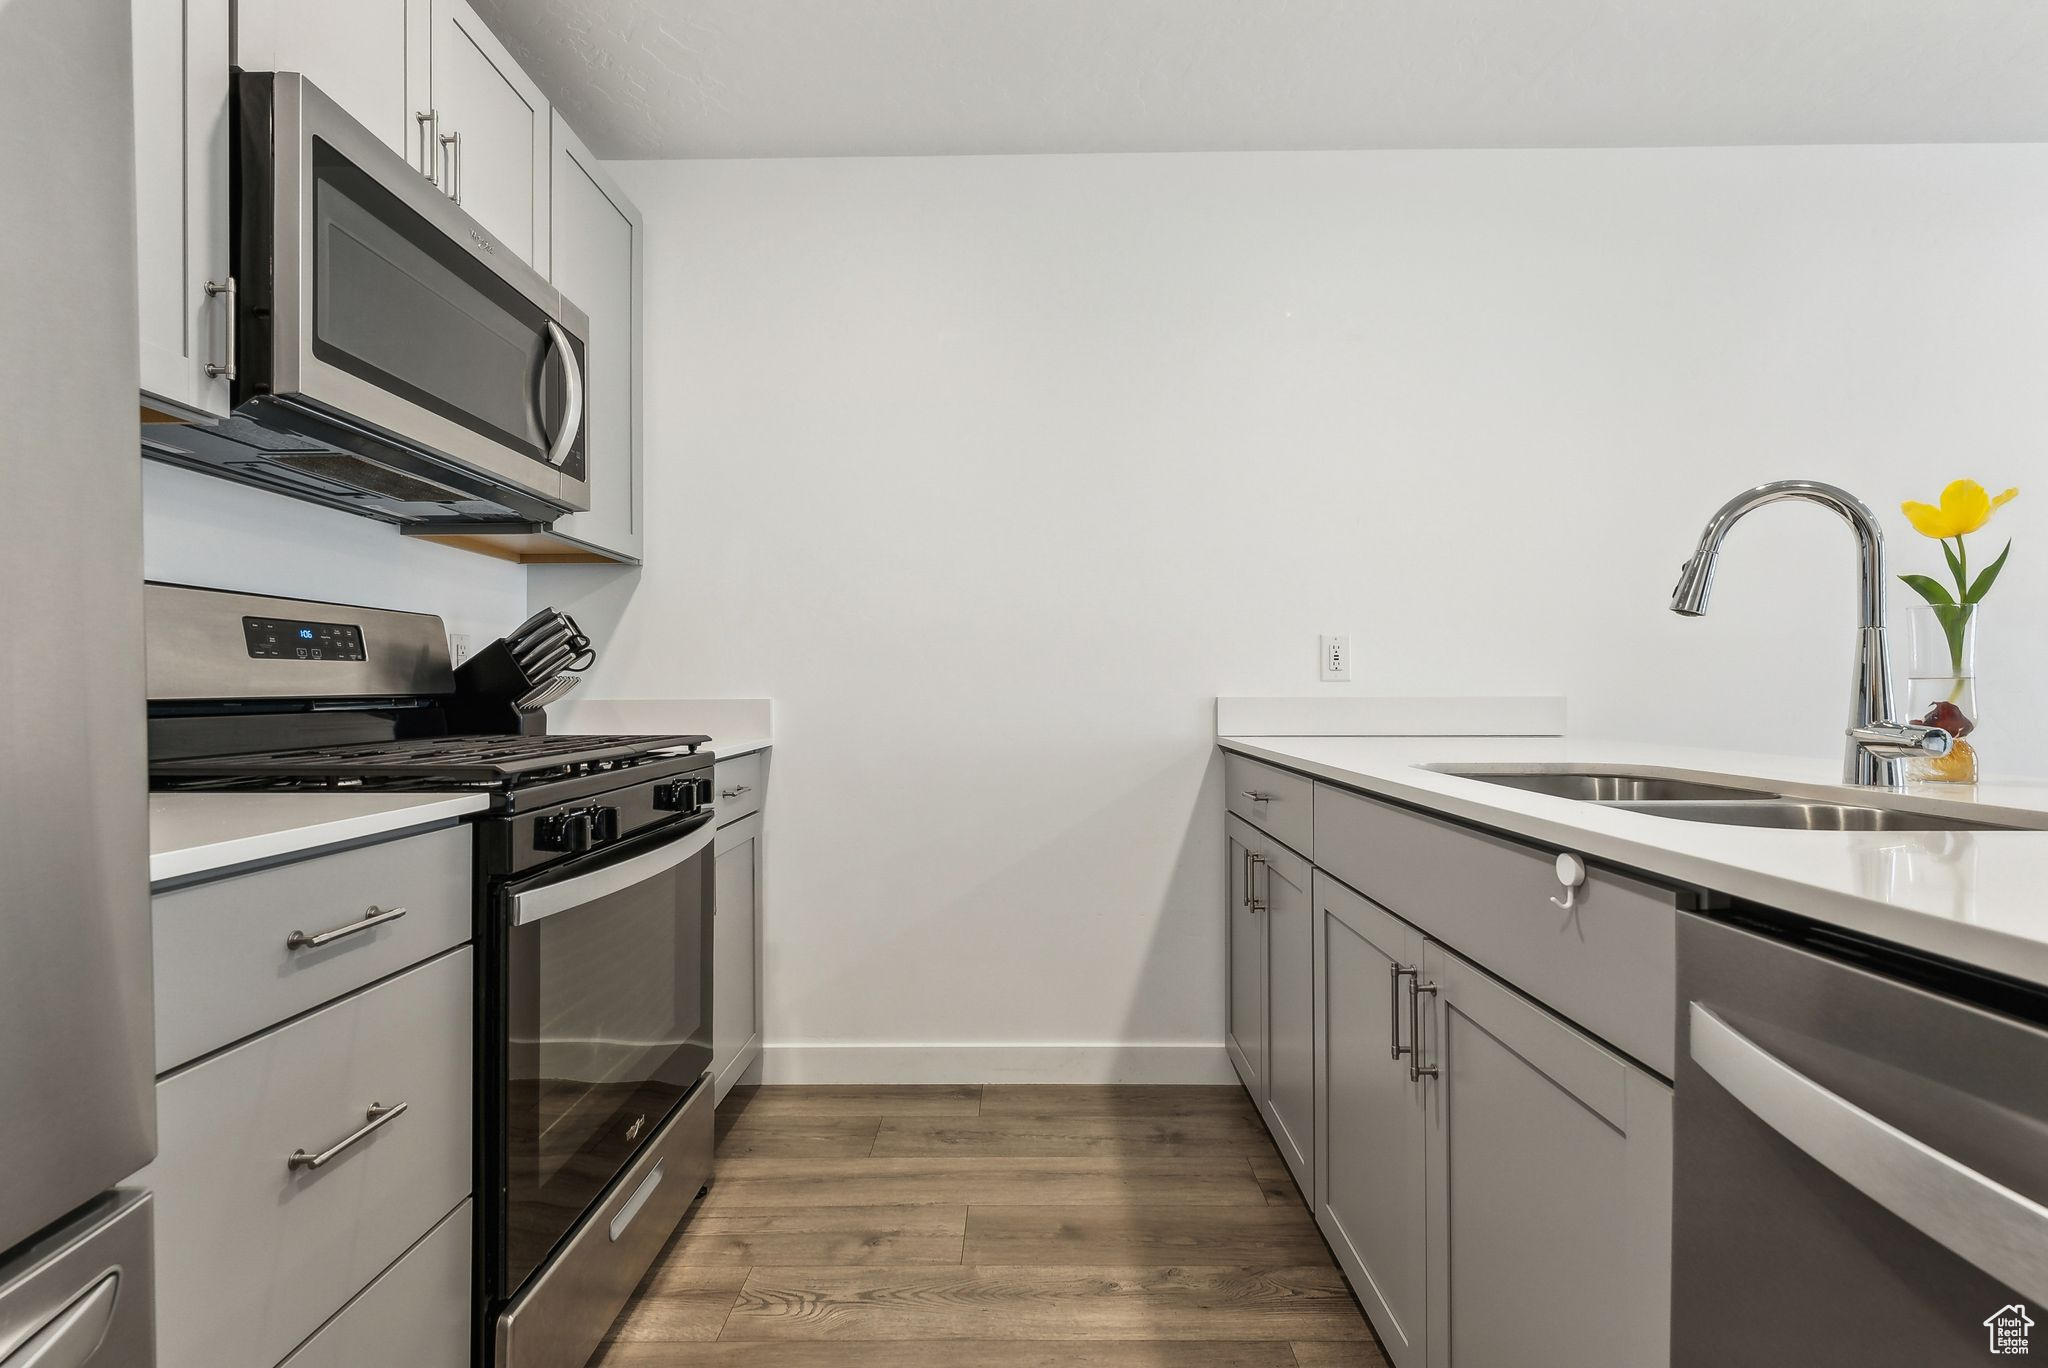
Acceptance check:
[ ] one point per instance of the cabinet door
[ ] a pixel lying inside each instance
(1549, 1187)
(368, 56)
(494, 132)
(594, 244)
(1369, 1146)
(736, 955)
(181, 205)
(1244, 1030)
(1290, 1009)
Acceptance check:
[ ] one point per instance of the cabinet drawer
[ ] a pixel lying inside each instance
(740, 782)
(253, 1255)
(224, 970)
(1609, 963)
(1277, 802)
(418, 1307)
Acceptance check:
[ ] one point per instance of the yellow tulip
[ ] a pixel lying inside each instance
(1965, 507)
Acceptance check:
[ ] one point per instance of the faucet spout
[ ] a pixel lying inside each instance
(1877, 745)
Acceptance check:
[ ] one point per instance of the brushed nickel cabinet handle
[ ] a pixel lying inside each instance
(451, 147)
(1417, 1070)
(1252, 866)
(430, 131)
(1255, 795)
(379, 1116)
(224, 370)
(1395, 973)
(376, 916)
(736, 791)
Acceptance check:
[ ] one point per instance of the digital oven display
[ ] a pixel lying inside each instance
(286, 639)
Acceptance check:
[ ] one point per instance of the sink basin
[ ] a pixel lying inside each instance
(1592, 786)
(1801, 814)
(1730, 804)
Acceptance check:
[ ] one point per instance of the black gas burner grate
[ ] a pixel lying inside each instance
(430, 761)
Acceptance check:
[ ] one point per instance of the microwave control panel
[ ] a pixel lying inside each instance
(289, 639)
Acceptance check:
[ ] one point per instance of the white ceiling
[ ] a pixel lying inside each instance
(790, 78)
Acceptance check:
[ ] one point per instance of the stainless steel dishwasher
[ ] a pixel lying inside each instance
(1861, 1154)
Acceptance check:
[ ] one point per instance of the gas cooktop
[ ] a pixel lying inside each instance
(424, 763)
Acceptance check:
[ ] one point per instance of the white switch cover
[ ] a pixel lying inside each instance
(1336, 657)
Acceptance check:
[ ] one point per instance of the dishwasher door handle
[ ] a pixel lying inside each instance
(1974, 1217)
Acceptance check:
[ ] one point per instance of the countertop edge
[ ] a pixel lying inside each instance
(1994, 951)
(191, 861)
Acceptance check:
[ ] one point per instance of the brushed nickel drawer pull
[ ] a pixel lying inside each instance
(736, 791)
(1417, 1070)
(224, 370)
(376, 916)
(1252, 867)
(1255, 795)
(379, 1115)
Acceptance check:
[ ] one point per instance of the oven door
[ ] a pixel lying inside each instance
(372, 298)
(605, 1010)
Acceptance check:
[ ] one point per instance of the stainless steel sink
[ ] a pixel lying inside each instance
(1730, 804)
(1592, 786)
(1802, 814)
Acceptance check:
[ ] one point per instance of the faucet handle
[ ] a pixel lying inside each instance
(1899, 740)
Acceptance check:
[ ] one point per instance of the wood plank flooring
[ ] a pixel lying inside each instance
(1006, 1226)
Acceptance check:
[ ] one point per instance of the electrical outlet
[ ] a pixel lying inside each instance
(1336, 657)
(458, 646)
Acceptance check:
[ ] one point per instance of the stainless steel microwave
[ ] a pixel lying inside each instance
(389, 355)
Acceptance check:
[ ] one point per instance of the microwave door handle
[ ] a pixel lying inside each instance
(572, 383)
(1974, 1217)
(549, 899)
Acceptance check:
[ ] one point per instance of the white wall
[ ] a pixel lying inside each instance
(993, 471)
(200, 529)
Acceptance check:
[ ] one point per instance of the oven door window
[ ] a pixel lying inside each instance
(608, 1015)
(397, 303)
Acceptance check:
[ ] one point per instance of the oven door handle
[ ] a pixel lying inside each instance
(1975, 1217)
(549, 899)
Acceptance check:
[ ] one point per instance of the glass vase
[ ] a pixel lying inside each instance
(1941, 689)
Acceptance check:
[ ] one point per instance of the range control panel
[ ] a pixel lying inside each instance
(291, 639)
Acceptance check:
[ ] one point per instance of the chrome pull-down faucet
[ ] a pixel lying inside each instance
(1878, 745)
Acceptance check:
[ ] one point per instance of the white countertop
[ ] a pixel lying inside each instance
(1979, 897)
(196, 833)
(728, 748)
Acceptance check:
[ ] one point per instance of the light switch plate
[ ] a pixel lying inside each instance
(1336, 666)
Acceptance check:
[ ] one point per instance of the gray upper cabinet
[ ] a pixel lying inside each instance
(181, 183)
(368, 56)
(494, 133)
(1549, 1187)
(428, 78)
(1289, 1101)
(1245, 1013)
(1370, 1136)
(596, 240)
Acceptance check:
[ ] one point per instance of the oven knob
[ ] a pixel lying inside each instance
(677, 795)
(568, 832)
(604, 824)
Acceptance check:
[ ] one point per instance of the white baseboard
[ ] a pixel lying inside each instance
(1134, 1063)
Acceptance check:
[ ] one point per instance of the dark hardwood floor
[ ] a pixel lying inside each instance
(995, 1227)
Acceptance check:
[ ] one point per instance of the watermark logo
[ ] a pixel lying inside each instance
(2008, 1327)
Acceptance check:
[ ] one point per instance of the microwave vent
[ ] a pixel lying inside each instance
(355, 472)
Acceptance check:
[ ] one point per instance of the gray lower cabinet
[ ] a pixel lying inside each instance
(417, 1312)
(1493, 1177)
(1245, 1013)
(1289, 1102)
(258, 1247)
(736, 954)
(1549, 1186)
(1370, 1123)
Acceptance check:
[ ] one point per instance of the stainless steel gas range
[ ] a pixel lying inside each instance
(594, 902)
